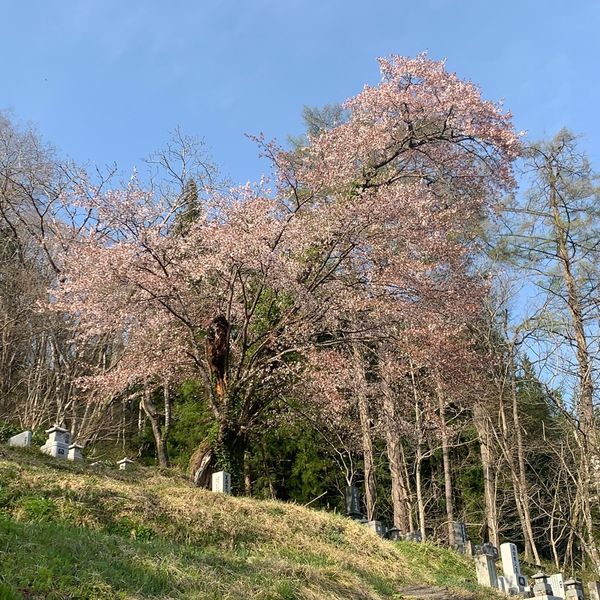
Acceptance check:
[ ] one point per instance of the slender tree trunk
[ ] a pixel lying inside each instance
(154, 418)
(489, 480)
(522, 489)
(586, 436)
(418, 454)
(447, 471)
(365, 427)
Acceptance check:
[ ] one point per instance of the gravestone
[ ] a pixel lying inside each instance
(21, 440)
(353, 508)
(488, 549)
(58, 441)
(413, 536)
(574, 590)
(502, 584)
(221, 482)
(541, 585)
(594, 588)
(516, 582)
(394, 534)
(377, 527)
(124, 464)
(75, 452)
(460, 536)
(558, 585)
(486, 571)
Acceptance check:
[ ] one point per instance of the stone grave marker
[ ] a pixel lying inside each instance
(486, 571)
(221, 482)
(377, 527)
(516, 582)
(460, 536)
(394, 534)
(58, 442)
(502, 584)
(21, 440)
(558, 585)
(75, 452)
(124, 464)
(574, 590)
(413, 536)
(541, 585)
(594, 588)
(353, 507)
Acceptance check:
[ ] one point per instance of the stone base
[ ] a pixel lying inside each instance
(377, 527)
(55, 449)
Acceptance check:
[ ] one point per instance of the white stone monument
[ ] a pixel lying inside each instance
(21, 440)
(558, 585)
(594, 588)
(486, 571)
(58, 441)
(221, 482)
(516, 582)
(75, 452)
(124, 463)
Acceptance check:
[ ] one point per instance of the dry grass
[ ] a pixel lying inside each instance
(146, 534)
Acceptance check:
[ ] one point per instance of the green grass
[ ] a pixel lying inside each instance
(71, 532)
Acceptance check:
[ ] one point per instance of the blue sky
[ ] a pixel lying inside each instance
(107, 80)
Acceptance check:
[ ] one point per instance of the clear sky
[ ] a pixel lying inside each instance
(106, 80)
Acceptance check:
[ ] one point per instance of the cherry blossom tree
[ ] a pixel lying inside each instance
(372, 221)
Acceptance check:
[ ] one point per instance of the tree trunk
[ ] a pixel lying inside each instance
(159, 438)
(400, 501)
(489, 479)
(585, 410)
(522, 487)
(229, 450)
(365, 427)
(447, 471)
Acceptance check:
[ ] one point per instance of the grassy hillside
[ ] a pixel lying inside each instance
(71, 532)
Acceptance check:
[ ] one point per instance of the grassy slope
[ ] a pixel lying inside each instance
(69, 531)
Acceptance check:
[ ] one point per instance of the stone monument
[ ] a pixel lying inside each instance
(460, 536)
(558, 585)
(574, 590)
(124, 463)
(377, 527)
(486, 571)
(21, 440)
(58, 442)
(353, 507)
(516, 582)
(221, 482)
(75, 452)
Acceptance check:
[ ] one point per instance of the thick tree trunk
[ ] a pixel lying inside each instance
(230, 449)
(400, 500)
